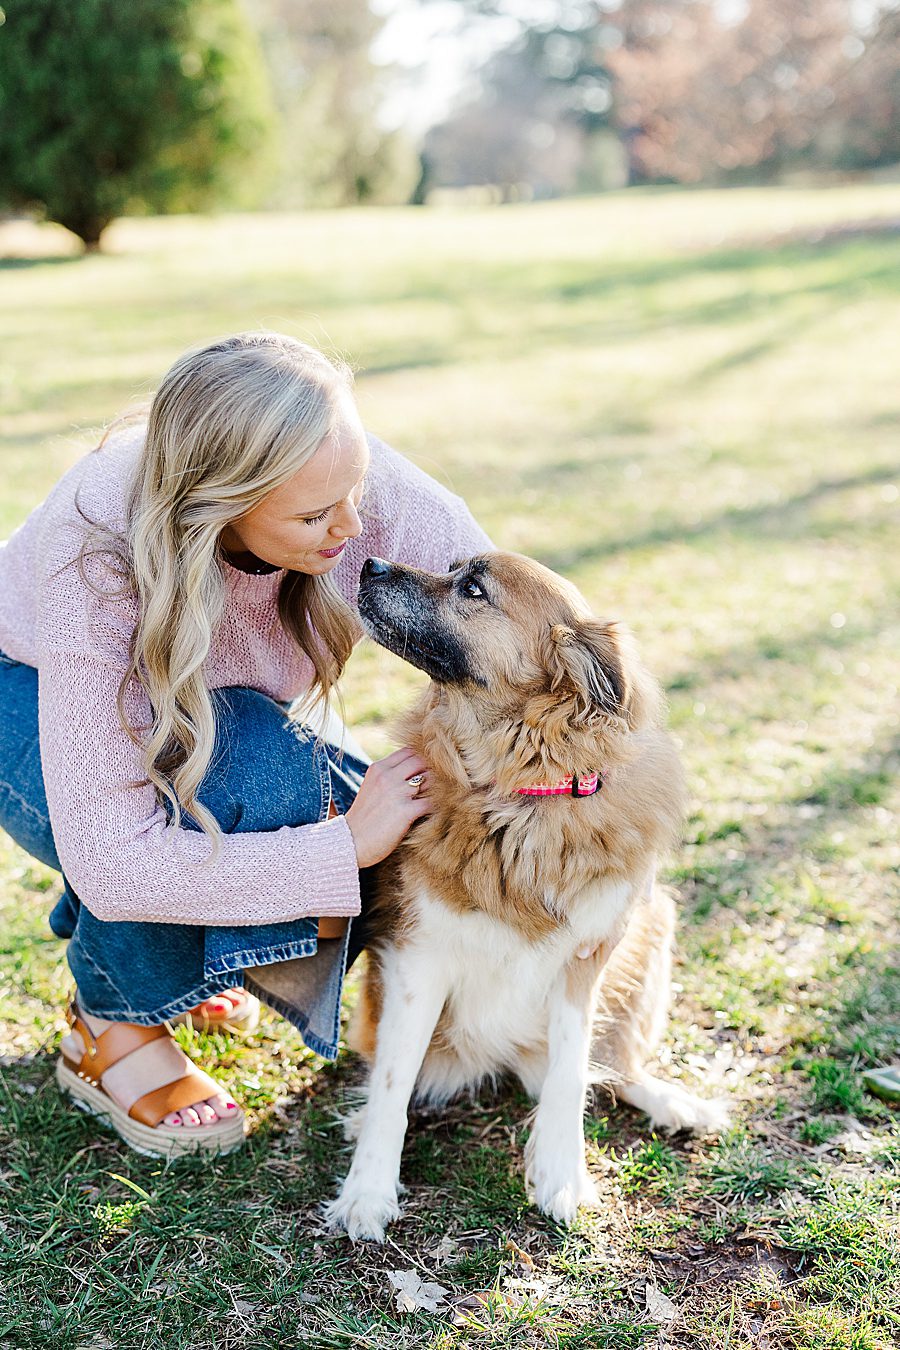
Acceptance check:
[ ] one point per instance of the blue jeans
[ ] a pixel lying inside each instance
(266, 772)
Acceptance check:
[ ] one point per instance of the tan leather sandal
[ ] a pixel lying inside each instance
(240, 1021)
(140, 1126)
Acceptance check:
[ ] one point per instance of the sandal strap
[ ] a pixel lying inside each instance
(112, 1045)
(191, 1087)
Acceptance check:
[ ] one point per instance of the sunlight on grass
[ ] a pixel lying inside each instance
(687, 403)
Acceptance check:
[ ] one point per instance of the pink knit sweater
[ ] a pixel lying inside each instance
(111, 837)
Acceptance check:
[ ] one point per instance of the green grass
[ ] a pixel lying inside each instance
(687, 402)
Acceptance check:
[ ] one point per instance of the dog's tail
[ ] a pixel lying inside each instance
(630, 1021)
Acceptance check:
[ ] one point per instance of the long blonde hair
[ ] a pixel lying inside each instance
(229, 423)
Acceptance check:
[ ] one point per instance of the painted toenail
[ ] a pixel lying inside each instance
(176, 1122)
(230, 1106)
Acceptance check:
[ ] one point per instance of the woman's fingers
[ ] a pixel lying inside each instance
(394, 793)
(424, 806)
(400, 756)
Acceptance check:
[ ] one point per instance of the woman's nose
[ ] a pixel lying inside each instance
(346, 523)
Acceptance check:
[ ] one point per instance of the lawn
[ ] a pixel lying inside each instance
(688, 404)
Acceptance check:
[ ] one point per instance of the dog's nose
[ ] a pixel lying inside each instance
(375, 567)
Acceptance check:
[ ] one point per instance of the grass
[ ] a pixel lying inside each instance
(687, 403)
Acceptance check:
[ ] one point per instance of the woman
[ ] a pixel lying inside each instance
(179, 587)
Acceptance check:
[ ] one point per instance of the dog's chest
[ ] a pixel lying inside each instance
(500, 982)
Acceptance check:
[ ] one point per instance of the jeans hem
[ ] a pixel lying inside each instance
(324, 1049)
(261, 956)
(174, 1009)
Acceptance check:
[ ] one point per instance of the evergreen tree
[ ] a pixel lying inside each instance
(108, 106)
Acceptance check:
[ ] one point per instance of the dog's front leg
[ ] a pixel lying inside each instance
(556, 1171)
(414, 994)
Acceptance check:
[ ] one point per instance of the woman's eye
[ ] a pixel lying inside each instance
(472, 589)
(314, 520)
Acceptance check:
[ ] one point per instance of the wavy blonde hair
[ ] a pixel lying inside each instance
(229, 423)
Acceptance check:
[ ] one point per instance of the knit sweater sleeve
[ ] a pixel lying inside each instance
(119, 852)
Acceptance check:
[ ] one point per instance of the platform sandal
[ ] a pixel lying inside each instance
(140, 1126)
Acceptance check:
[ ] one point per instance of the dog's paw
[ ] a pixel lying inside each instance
(671, 1107)
(363, 1213)
(558, 1185)
(561, 1197)
(703, 1115)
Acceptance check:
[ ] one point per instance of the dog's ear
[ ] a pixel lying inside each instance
(597, 664)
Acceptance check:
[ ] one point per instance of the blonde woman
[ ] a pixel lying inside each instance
(180, 586)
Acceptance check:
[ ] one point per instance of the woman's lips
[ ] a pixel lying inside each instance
(332, 552)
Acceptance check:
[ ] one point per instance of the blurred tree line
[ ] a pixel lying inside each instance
(332, 150)
(598, 93)
(109, 107)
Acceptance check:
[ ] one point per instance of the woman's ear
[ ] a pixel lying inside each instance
(596, 663)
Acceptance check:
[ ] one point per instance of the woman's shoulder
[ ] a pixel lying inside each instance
(395, 484)
(93, 489)
(102, 478)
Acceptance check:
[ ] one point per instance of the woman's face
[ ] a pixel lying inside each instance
(304, 524)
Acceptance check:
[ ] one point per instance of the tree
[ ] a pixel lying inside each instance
(541, 99)
(109, 107)
(328, 91)
(700, 99)
(702, 90)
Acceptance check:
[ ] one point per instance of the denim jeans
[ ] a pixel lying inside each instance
(266, 772)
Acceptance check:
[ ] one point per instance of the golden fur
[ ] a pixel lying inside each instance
(485, 848)
(540, 689)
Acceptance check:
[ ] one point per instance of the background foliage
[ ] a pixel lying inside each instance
(108, 108)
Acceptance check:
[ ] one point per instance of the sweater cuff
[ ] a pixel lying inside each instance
(339, 895)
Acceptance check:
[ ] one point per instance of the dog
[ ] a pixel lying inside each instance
(518, 926)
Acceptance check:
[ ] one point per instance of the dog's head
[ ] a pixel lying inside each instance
(512, 631)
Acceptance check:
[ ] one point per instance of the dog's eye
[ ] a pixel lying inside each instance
(471, 588)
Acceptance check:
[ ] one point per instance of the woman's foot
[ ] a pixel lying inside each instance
(152, 1066)
(233, 1010)
(230, 1004)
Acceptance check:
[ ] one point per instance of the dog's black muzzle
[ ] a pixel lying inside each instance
(401, 608)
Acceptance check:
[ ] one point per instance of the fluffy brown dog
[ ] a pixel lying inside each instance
(518, 928)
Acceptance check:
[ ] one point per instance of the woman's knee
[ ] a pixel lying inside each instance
(266, 771)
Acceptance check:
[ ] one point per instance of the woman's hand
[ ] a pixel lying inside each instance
(387, 804)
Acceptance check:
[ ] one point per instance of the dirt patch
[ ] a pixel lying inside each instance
(702, 1266)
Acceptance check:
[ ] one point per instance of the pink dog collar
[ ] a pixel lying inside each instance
(573, 786)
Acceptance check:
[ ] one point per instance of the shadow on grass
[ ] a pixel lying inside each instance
(765, 518)
(796, 647)
(865, 1014)
(838, 795)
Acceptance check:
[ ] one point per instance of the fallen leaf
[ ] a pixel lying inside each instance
(445, 1253)
(524, 1258)
(415, 1294)
(659, 1306)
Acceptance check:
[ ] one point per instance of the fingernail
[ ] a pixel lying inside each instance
(231, 1106)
